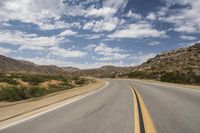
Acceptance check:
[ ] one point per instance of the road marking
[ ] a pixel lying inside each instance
(69, 101)
(136, 113)
(147, 121)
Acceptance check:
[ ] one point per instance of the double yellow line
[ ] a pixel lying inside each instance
(143, 121)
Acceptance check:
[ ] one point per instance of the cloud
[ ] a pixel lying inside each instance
(108, 53)
(136, 16)
(185, 20)
(186, 29)
(138, 31)
(21, 38)
(67, 33)
(94, 36)
(191, 38)
(141, 57)
(31, 11)
(5, 51)
(151, 16)
(58, 25)
(153, 43)
(119, 4)
(102, 12)
(105, 49)
(102, 25)
(30, 47)
(60, 52)
(89, 8)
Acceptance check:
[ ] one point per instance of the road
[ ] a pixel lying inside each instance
(173, 109)
(111, 110)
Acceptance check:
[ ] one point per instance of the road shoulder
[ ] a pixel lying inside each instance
(17, 112)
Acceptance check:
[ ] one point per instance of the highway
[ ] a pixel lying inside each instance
(111, 110)
(173, 109)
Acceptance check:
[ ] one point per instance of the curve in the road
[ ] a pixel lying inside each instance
(143, 121)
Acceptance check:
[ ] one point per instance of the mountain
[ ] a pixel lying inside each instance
(70, 69)
(179, 66)
(103, 72)
(12, 65)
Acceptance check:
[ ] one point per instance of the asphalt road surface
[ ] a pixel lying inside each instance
(110, 110)
(173, 109)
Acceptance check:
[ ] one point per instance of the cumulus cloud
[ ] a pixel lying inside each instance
(5, 51)
(185, 19)
(138, 31)
(67, 33)
(151, 16)
(141, 57)
(31, 11)
(61, 52)
(133, 15)
(58, 25)
(108, 53)
(153, 43)
(102, 25)
(21, 38)
(190, 38)
(102, 12)
(119, 4)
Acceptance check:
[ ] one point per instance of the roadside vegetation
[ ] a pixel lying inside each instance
(172, 77)
(15, 87)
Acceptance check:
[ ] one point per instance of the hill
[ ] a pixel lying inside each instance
(179, 66)
(12, 65)
(70, 69)
(104, 72)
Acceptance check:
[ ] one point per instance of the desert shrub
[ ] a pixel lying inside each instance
(80, 81)
(8, 80)
(36, 92)
(169, 77)
(34, 79)
(12, 94)
(137, 74)
(20, 93)
(178, 77)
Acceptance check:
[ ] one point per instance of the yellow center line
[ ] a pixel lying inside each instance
(136, 113)
(148, 123)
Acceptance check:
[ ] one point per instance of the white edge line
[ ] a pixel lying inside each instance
(57, 107)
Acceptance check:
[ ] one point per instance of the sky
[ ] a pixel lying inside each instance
(94, 33)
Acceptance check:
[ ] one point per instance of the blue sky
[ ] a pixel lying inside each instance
(93, 33)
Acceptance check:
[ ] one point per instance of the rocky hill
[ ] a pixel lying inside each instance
(70, 69)
(180, 65)
(104, 72)
(12, 65)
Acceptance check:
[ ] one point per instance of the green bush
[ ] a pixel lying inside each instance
(137, 74)
(8, 80)
(177, 77)
(80, 81)
(20, 93)
(34, 79)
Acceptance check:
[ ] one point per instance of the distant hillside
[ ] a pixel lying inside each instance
(104, 72)
(179, 66)
(12, 65)
(70, 69)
